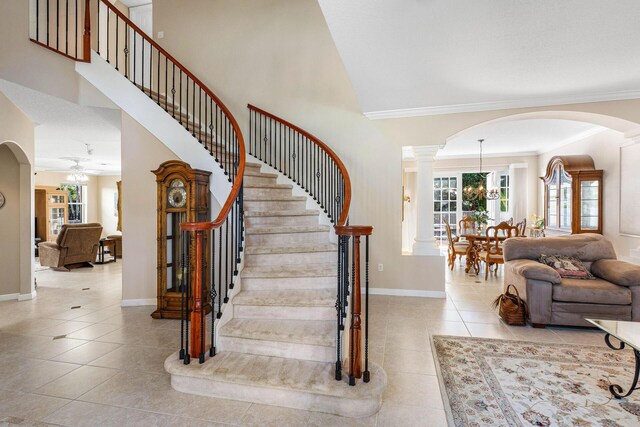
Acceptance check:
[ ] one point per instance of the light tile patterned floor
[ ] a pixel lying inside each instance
(108, 369)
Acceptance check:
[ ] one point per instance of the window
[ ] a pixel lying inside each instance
(504, 193)
(445, 205)
(77, 202)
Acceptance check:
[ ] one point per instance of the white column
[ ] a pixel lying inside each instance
(424, 243)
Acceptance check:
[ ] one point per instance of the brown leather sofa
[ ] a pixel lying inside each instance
(552, 300)
(76, 246)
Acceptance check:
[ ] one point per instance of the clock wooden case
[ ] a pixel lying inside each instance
(573, 195)
(183, 196)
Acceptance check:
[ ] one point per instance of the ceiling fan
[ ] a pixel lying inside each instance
(76, 172)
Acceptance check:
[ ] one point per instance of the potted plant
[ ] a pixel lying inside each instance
(537, 222)
(481, 218)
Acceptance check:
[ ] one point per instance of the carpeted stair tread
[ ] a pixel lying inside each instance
(316, 247)
(269, 185)
(287, 298)
(305, 212)
(253, 172)
(282, 229)
(311, 332)
(270, 198)
(308, 270)
(315, 378)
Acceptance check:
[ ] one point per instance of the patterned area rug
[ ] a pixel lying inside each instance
(517, 383)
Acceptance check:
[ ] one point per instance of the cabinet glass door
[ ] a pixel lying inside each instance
(589, 192)
(552, 202)
(56, 199)
(56, 221)
(565, 202)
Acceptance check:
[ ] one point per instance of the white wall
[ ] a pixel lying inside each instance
(106, 189)
(54, 179)
(604, 148)
(279, 55)
(141, 153)
(16, 133)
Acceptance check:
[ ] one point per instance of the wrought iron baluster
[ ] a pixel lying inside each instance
(366, 375)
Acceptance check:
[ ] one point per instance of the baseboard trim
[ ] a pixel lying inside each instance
(27, 297)
(138, 302)
(407, 293)
(9, 297)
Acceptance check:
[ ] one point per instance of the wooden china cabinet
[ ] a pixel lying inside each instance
(51, 212)
(183, 196)
(573, 195)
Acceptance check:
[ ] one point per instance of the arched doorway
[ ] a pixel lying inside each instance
(608, 148)
(16, 225)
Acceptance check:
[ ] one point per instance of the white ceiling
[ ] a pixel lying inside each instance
(63, 128)
(519, 137)
(440, 56)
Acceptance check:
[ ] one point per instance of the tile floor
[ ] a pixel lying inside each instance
(102, 364)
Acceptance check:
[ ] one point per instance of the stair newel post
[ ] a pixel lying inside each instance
(196, 298)
(345, 232)
(203, 295)
(366, 376)
(86, 36)
(355, 338)
(183, 290)
(187, 294)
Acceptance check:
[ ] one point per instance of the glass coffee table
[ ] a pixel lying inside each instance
(628, 333)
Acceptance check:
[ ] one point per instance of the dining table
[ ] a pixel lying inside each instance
(477, 241)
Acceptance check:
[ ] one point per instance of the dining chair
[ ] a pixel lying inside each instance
(522, 226)
(492, 253)
(466, 225)
(456, 247)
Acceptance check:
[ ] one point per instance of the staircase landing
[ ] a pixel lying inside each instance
(291, 383)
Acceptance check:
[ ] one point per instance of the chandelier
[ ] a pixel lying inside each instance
(479, 192)
(77, 173)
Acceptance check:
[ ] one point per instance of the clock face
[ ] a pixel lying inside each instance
(2, 200)
(177, 194)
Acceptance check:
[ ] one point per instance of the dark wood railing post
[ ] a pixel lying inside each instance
(86, 36)
(197, 310)
(355, 337)
(355, 330)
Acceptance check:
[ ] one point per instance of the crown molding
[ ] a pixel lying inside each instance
(487, 156)
(502, 105)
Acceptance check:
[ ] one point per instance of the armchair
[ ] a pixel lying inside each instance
(76, 246)
(553, 300)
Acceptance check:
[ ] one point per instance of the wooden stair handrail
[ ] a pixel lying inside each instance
(344, 215)
(237, 185)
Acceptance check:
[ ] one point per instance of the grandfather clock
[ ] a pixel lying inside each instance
(183, 196)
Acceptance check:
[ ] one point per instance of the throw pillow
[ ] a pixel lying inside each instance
(566, 266)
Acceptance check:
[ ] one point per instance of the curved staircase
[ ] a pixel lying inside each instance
(280, 346)
(281, 334)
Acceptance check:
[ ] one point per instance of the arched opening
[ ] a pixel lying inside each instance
(516, 151)
(16, 223)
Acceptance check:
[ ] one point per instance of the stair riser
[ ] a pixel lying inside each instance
(275, 193)
(253, 260)
(274, 205)
(315, 353)
(355, 408)
(287, 238)
(251, 179)
(284, 313)
(281, 220)
(276, 283)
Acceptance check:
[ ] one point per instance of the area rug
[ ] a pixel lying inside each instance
(487, 382)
